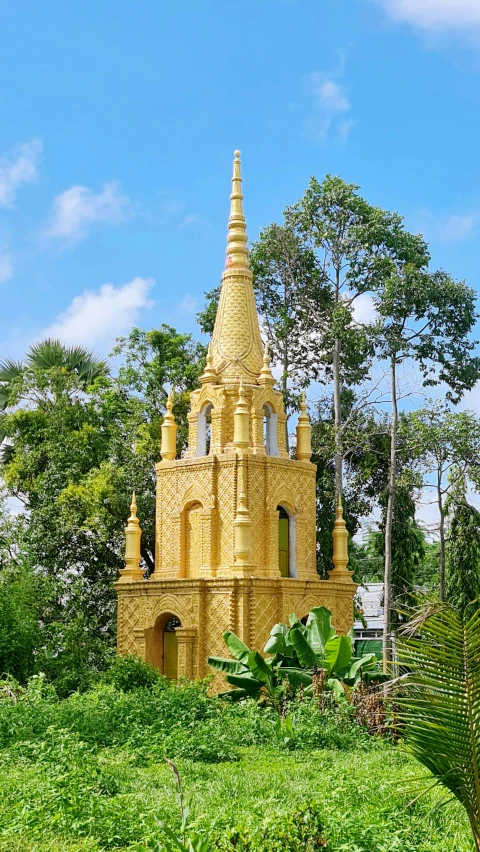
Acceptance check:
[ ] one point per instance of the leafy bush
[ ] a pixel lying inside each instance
(129, 672)
(269, 829)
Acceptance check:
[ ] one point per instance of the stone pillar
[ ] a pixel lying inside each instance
(186, 651)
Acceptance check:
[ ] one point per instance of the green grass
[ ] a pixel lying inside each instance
(88, 773)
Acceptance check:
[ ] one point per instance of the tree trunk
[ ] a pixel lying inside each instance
(387, 594)
(337, 405)
(285, 387)
(441, 511)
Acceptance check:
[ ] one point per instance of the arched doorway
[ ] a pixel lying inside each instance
(283, 542)
(193, 540)
(162, 646)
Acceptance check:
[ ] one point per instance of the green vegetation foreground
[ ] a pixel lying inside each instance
(88, 773)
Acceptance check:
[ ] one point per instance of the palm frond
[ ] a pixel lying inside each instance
(438, 700)
(10, 370)
(46, 354)
(75, 359)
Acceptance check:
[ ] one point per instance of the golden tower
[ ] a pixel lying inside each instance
(235, 517)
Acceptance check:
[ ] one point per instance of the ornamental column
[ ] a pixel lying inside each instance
(133, 534)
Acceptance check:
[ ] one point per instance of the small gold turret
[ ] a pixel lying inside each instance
(169, 433)
(265, 378)
(340, 547)
(209, 375)
(133, 534)
(241, 421)
(304, 433)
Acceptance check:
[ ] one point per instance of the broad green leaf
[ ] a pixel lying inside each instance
(259, 668)
(234, 694)
(351, 673)
(338, 653)
(238, 648)
(278, 643)
(297, 677)
(245, 681)
(337, 688)
(319, 629)
(305, 652)
(222, 664)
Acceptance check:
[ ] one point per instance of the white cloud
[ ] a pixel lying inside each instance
(364, 309)
(434, 14)
(459, 227)
(188, 305)
(78, 208)
(447, 229)
(95, 318)
(6, 267)
(17, 168)
(329, 103)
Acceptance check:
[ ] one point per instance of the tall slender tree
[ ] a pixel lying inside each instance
(447, 444)
(355, 244)
(428, 318)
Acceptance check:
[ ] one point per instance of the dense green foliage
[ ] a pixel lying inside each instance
(87, 773)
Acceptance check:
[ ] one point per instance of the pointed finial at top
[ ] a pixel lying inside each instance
(209, 375)
(133, 522)
(265, 377)
(133, 507)
(339, 509)
(237, 251)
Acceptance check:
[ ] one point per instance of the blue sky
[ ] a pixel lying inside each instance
(118, 122)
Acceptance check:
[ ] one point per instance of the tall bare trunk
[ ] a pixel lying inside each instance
(284, 387)
(387, 595)
(441, 511)
(285, 364)
(337, 404)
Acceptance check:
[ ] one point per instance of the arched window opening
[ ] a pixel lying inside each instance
(286, 543)
(270, 430)
(204, 430)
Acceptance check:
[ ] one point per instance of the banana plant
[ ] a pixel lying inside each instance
(437, 700)
(296, 652)
(253, 675)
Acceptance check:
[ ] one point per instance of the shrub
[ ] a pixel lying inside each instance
(272, 830)
(129, 672)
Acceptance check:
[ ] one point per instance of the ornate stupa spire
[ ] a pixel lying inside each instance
(236, 342)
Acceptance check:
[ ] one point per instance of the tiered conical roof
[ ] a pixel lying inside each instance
(236, 346)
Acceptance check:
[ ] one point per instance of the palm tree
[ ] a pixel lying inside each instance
(48, 355)
(438, 698)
